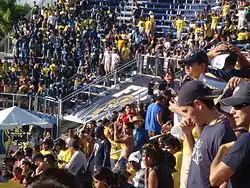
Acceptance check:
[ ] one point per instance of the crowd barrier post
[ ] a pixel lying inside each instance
(13, 100)
(29, 103)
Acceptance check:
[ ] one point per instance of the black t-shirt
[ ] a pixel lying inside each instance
(205, 149)
(150, 89)
(165, 179)
(102, 148)
(162, 85)
(239, 161)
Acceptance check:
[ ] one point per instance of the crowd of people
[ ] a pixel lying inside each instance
(186, 135)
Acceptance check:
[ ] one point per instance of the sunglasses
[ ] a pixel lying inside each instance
(149, 146)
(240, 106)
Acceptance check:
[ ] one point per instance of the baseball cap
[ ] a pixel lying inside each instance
(135, 157)
(98, 130)
(198, 56)
(194, 90)
(240, 95)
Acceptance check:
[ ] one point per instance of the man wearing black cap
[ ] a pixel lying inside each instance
(101, 151)
(195, 101)
(236, 164)
(195, 64)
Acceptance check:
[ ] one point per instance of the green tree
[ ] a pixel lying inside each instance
(10, 12)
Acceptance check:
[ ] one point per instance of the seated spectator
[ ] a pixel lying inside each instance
(41, 164)
(17, 173)
(103, 178)
(47, 183)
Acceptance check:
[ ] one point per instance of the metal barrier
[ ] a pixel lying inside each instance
(89, 94)
(157, 66)
(47, 105)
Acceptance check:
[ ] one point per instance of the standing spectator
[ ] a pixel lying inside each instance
(179, 24)
(232, 159)
(115, 60)
(241, 17)
(126, 139)
(194, 100)
(151, 88)
(140, 134)
(157, 174)
(101, 151)
(153, 121)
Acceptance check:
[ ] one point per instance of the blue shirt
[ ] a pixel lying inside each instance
(140, 138)
(151, 123)
(205, 150)
(239, 161)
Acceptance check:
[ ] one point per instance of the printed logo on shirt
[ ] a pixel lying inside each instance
(96, 148)
(197, 155)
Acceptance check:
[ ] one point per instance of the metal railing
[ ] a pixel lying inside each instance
(46, 105)
(97, 89)
(157, 66)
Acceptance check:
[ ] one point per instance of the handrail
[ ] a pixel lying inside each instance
(98, 80)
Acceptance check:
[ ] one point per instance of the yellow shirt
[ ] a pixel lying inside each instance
(242, 36)
(60, 158)
(141, 24)
(148, 25)
(176, 175)
(185, 144)
(198, 30)
(67, 156)
(214, 21)
(10, 184)
(14, 67)
(106, 133)
(208, 30)
(226, 9)
(120, 44)
(114, 148)
(179, 24)
(43, 152)
(53, 67)
(45, 71)
(125, 54)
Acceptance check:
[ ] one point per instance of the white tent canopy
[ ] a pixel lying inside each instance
(13, 117)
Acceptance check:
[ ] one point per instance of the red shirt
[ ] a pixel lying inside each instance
(17, 180)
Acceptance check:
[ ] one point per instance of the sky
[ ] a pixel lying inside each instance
(22, 2)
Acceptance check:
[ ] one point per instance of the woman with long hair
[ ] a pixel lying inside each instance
(158, 175)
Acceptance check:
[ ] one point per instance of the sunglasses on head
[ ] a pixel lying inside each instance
(149, 146)
(240, 106)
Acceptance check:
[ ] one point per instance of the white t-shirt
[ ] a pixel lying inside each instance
(52, 20)
(77, 161)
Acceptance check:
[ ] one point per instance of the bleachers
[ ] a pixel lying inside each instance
(165, 11)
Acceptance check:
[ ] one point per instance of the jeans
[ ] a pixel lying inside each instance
(122, 163)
